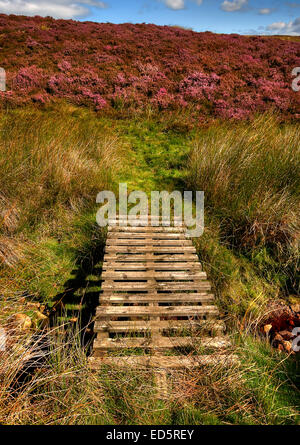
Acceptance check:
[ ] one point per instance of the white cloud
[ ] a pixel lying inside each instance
(277, 26)
(234, 5)
(65, 9)
(265, 11)
(291, 28)
(176, 5)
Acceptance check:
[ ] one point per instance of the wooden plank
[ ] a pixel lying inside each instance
(168, 298)
(151, 249)
(160, 216)
(144, 223)
(148, 219)
(128, 215)
(165, 286)
(147, 265)
(149, 242)
(154, 293)
(161, 343)
(146, 229)
(153, 274)
(147, 235)
(195, 285)
(152, 258)
(162, 311)
(161, 325)
(163, 362)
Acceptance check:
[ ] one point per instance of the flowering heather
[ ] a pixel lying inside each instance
(134, 66)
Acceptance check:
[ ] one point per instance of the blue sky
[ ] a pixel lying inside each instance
(240, 16)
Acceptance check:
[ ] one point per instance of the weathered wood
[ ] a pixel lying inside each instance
(151, 284)
(214, 326)
(153, 274)
(162, 298)
(144, 223)
(126, 286)
(146, 229)
(146, 235)
(149, 217)
(162, 343)
(126, 219)
(125, 257)
(152, 277)
(162, 311)
(146, 242)
(150, 249)
(147, 265)
(163, 362)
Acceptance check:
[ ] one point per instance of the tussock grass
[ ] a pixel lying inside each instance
(51, 160)
(52, 165)
(251, 177)
(45, 379)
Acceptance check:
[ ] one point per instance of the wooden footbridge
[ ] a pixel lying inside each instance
(156, 308)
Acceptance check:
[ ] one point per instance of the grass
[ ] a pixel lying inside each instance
(64, 391)
(251, 178)
(52, 165)
(250, 174)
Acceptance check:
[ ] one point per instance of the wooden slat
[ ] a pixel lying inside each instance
(112, 265)
(150, 249)
(162, 311)
(124, 257)
(161, 220)
(147, 217)
(146, 242)
(161, 325)
(161, 362)
(167, 298)
(162, 343)
(143, 223)
(149, 235)
(153, 274)
(146, 229)
(165, 286)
